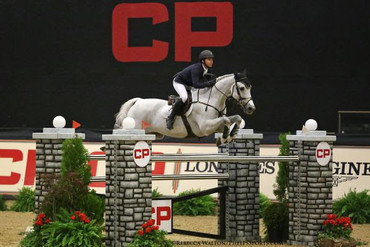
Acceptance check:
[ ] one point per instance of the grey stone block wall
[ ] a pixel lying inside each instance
(243, 194)
(310, 188)
(128, 189)
(49, 157)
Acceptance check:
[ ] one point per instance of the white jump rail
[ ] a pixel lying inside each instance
(210, 157)
(220, 157)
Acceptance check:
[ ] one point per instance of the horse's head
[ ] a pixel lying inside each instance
(241, 92)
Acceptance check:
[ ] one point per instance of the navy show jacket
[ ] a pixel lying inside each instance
(192, 76)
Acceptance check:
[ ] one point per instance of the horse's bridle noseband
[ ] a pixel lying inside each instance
(241, 99)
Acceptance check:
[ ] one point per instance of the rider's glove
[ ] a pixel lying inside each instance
(212, 82)
(210, 76)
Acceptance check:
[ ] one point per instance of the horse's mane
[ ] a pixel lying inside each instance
(223, 77)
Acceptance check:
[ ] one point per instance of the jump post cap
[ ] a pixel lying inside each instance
(128, 135)
(57, 133)
(318, 135)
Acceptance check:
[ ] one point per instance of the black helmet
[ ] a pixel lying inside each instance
(205, 54)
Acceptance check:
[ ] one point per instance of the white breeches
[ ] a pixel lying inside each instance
(181, 90)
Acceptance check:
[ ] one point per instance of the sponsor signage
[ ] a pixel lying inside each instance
(162, 214)
(141, 153)
(351, 167)
(323, 153)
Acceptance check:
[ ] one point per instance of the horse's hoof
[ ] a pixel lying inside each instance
(218, 142)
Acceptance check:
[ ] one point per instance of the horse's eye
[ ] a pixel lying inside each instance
(242, 88)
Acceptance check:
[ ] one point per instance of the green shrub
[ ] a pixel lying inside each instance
(64, 192)
(2, 204)
(25, 201)
(354, 205)
(276, 216)
(203, 205)
(79, 231)
(282, 178)
(74, 159)
(94, 206)
(264, 202)
(69, 190)
(156, 193)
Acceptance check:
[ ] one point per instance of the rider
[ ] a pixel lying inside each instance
(196, 75)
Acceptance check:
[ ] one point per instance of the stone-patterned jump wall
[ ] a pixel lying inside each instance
(128, 190)
(49, 156)
(129, 187)
(310, 187)
(243, 194)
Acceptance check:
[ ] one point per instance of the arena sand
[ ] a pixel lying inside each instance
(14, 224)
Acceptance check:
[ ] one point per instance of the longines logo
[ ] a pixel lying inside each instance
(347, 171)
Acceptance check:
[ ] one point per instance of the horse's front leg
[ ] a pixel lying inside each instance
(233, 119)
(211, 126)
(237, 120)
(225, 135)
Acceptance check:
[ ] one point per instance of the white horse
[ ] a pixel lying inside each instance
(207, 113)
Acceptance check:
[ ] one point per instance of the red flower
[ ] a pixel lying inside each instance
(73, 217)
(140, 232)
(87, 221)
(38, 223)
(144, 225)
(153, 211)
(150, 222)
(82, 217)
(148, 230)
(47, 221)
(77, 212)
(155, 228)
(42, 215)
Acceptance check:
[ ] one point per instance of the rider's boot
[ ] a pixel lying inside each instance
(176, 110)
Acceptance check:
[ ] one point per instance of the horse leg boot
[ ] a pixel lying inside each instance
(176, 110)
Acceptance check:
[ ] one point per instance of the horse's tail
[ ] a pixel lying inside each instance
(122, 114)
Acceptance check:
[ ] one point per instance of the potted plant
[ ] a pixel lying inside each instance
(276, 222)
(336, 232)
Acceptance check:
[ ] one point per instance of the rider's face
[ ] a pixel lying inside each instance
(208, 62)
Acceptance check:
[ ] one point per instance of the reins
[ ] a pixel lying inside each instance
(221, 112)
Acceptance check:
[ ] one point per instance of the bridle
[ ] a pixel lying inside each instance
(241, 99)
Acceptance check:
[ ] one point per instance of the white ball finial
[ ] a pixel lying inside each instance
(59, 122)
(311, 124)
(242, 124)
(128, 123)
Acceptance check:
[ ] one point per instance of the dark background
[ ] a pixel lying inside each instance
(306, 59)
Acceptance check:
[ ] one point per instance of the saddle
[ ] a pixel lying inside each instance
(173, 98)
(171, 101)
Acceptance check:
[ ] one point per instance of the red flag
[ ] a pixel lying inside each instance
(75, 124)
(144, 124)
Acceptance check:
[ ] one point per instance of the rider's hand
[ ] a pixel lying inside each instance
(212, 82)
(210, 76)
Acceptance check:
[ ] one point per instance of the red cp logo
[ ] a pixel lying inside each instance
(323, 153)
(141, 153)
(184, 38)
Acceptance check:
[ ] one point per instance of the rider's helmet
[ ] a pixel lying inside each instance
(205, 54)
